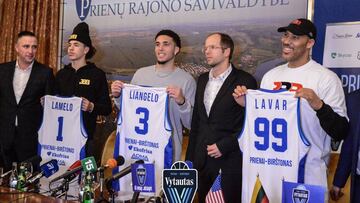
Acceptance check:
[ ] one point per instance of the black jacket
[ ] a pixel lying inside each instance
(222, 126)
(29, 111)
(88, 82)
(348, 160)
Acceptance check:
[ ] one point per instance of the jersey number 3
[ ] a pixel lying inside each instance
(278, 129)
(143, 128)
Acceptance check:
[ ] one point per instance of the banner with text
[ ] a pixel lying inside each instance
(123, 31)
(342, 53)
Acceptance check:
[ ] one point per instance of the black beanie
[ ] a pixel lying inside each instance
(81, 34)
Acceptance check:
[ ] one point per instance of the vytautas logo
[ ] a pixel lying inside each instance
(300, 194)
(83, 8)
(180, 183)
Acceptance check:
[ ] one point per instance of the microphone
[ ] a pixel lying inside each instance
(121, 174)
(76, 167)
(112, 163)
(71, 172)
(125, 171)
(89, 164)
(47, 169)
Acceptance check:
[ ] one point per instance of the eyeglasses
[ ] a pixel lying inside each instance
(211, 48)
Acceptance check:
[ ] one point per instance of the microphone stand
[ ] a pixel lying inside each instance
(110, 189)
(135, 197)
(64, 187)
(101, 197)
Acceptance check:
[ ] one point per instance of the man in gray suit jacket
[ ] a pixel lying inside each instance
(23, 82)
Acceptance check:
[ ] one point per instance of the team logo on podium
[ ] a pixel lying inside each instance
(141, 175)
(180, 183)
(300, 194)
(83, 8)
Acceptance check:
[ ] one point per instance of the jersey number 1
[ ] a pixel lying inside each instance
(59, 136)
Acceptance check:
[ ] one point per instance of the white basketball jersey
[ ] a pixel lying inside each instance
(62, 135)
(272, 143)
(144, 131)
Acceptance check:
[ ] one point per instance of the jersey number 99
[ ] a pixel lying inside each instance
(277, 128)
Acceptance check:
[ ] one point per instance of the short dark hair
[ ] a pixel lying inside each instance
(171, 34)
(225, 42)
(25, 33)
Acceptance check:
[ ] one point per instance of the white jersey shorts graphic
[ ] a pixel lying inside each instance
(143, 131)
(272, 142)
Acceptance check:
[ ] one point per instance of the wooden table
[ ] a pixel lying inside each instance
(12, 195)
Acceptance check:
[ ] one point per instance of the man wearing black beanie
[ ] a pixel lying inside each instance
(83, 79)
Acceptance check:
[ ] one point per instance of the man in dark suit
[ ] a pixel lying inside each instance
(349, 156)
(23, 82)
(217, 121)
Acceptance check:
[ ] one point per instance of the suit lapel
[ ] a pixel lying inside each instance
(224, 88)
(202, 86)
(10, 83)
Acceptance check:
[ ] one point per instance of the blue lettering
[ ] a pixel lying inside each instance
(63, 106)
(143, 96)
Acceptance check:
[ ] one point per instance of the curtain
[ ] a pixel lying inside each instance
(1, 2)
(38, 16)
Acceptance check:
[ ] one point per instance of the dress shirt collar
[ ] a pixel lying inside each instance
(26, 69)
(222, 76)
